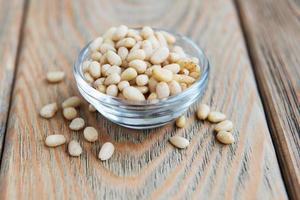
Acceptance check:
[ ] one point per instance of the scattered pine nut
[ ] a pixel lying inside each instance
(179, 142)
(77, 124)
(203, 111)
(180, 121)
(225, 137)
(55, 140)
(69, 113)
(49, 110)
(106, 151)
(215, 116)
(225, 125)
(55, 76)
(71, 102)
(90, 134)
(74, 148)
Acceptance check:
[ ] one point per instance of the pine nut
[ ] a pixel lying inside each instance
(106, 151)
(55, 140)
(179, 50)
(160, 55)
(49, 110)
(162, 74)
(136, 46)
(183, 86)
(90, 134)
(113, 69)
(126, 42)
(175, 68)
(139, 65)
(101, 88)
(154, 42)
(112, 79)
(179, 142)
(152, 84)
(161, 39)
(95, 45)
(112, 90)
(142, 89)
(147, 47)
(73, 101)
(85, 65)
(109, 33)
(128, 74)
(120, 33)
(96, 56)
(180, 121)
(185, 72)
(225, 137)
(74, 148)
(203, 111)
(225, 125)
(77, 124)
(138, 54)
(69, 113)
(152, 96)
(174, 87)
(181, 78)
(146, 32)
(106, 47)
(149, 70)
(55, 76)
(215, 116)
(142, 80)
(169, 37)
(174, 57)
(88, 77)
(95, 69)
(92, 108)
(123, 84)
(132, 93)
(99, 81)
(113, 58)
(162, 90)
(195, 75)
(187, 63)
(123, 53)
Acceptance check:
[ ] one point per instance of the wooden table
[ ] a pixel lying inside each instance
(254, 50)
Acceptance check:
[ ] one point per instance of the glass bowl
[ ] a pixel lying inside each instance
(145, 114)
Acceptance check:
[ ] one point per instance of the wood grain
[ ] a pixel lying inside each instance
(273, 34)
(11, 13)
(145, 165)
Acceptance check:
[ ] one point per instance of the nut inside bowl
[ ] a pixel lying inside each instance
(148, 113)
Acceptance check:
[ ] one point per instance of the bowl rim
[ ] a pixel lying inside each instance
(79, 78)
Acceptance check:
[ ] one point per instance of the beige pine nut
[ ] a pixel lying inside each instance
(136, 46)
(90, 134)
(95, 69)
(152, 84)
(126, 42)
(55, 140)
(123, 53)
(183, 86)
(101, 88)
(106, 151)
(77, 124)
(132, 93)
(174, 57)
(181, 78)
(139, 65)
(109, 41)
(104, 68)
(154, 42)
(175, 68)
(146, 32)
(203, 111)
(85, 65)
(109, 33)
(103, 59)
(195, 75)
(225, 137)
(142, 80)
(161, 39)
(225, 125)
(88, 77)
(113, 69)
(96, 56)
(95, 45)
(215, 116)
(112, 79)
(92, 108)
(185, 72)
(175, 88)
(120, 33)
(106, 47)
(162, 90)
(99, 81)
(169, 37)
(186, 63)
(123, 84)
(74, 148)
(180, 121)
(55, 76)
(152, 96)
(49, 110)
(138, 54)
(142, 89)
(128, 74)
(69, 113)
(179, 50)
(113, 58)
(179, 142)
(149, 70)
(73, 101)
(147, 47)
(162, 74)
(160, 55)
(112, 90)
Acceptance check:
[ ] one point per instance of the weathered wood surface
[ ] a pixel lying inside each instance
(144, 165)
(11, 13)
(272, 29)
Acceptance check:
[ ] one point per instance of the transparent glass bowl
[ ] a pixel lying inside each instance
(146, 114)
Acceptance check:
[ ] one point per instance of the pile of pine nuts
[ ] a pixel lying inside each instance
(139, 65)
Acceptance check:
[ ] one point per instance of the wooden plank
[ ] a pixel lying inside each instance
(144, 165)
(11, 13)
(272, 29)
